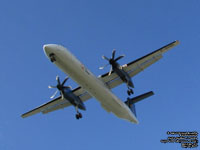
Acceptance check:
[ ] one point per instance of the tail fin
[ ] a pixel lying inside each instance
(131, 101)
(133, 109)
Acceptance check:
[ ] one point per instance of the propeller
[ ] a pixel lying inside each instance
(112, 61)
(59, 86)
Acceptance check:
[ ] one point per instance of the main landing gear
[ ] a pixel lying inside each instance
(52, 57)
(129, 91)
(78, 115)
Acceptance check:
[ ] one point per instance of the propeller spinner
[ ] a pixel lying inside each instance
(59, 86)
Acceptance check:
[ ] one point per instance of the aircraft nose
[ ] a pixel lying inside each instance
(49, 48)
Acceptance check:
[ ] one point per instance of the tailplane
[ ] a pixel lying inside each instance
(131, 101)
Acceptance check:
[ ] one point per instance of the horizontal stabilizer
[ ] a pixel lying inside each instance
(131, 101)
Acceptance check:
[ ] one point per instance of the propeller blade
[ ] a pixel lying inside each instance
(118, 58)
(58, 79)
(54, 94)
(110, 71)
(65, 81)
(103, 66)
(113, 54)
(106, 58)
(51, 87)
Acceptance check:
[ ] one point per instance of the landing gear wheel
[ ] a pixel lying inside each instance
(130, 91)
(78, 116)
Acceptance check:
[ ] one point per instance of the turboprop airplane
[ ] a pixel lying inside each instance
(97, 87)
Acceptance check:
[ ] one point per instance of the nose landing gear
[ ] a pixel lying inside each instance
(52, 57)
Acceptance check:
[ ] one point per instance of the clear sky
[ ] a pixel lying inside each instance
(90, 29)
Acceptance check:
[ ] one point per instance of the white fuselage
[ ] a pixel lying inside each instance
(95, 87)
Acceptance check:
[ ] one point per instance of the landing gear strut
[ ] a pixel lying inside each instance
(52, 57)
(78, 115)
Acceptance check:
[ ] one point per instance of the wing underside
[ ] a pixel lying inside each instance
(136, 66)
(58, 103)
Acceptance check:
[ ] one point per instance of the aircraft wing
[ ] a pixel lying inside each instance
(111, 81)
(58, 103)
(136, 66)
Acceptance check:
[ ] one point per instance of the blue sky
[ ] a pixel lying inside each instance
(90, 29)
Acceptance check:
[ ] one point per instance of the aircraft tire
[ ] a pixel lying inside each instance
(131, 91)
(80, 115)
(77, 116)
(128, 92)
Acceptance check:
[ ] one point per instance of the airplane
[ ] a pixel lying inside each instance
(97, 87)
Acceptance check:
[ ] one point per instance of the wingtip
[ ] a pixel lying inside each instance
(177, 42)
(152, 92)
(23, 116)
